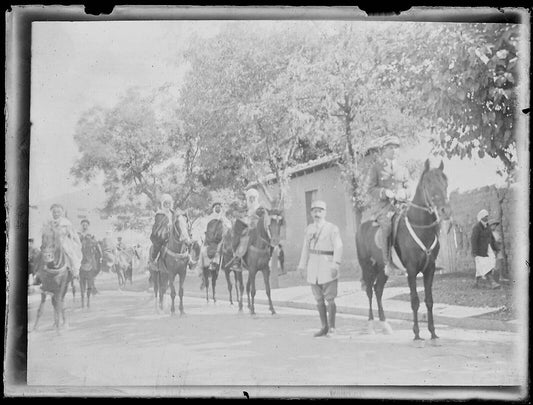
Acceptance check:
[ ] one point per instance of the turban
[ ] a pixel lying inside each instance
(252, 192)
(482, 214)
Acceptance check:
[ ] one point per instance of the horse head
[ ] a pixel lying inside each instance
(179, 233)
(51, 246)
(274, 223)
(433, 191)
(269, 226)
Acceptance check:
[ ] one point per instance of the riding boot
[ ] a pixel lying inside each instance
(332, 310)
(155, 252)
(322, 311)
(385, 250)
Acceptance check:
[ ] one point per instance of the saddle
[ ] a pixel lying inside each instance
(394, 230)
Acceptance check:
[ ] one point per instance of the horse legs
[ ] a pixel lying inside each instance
(73, 289)
(428, 283)
(90, 287)
(214, 276)
(266, 278)
(83, 286)
(182, 280)
(205, 275)
(155, 282)
(162, 288)
(62, 293)
(239, 284)
(40, 310)
(172, 295)
(370, 326)
(227, 273)
(250, 290)
(415, 303)
(378, 288)
(55, 304)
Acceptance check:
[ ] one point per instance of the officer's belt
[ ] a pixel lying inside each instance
(321, 252)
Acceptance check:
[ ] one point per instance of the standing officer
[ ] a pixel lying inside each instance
(321, 257)
(387, 183)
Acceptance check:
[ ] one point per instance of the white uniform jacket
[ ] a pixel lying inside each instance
(322, 248)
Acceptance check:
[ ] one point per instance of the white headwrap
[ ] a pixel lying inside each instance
(482, 214)
(252, 192)
(164, 198)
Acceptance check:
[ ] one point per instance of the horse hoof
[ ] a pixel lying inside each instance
(435, 342)
(386, 328)
(419, 343)
(273, 312)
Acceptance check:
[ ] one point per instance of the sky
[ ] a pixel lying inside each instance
(78, 65)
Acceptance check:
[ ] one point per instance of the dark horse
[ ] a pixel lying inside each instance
(173, 260)
(263, 238)
(90, 267)
(415, 241)
(212, 256)
(54, 275)
(229, 262)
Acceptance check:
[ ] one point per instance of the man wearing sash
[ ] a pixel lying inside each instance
(321, 257)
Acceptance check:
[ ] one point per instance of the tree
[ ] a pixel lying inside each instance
(244, 95)
(139, 154)
(466, 78)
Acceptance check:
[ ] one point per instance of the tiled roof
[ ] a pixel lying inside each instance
(324, 160)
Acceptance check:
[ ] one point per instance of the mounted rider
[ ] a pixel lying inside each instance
(68, 237)
(162, 222)
(216, 226)
(387, 184)
(253, 210)
(161, 228)
(85, 234)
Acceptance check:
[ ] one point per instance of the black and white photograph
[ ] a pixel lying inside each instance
(248, 202)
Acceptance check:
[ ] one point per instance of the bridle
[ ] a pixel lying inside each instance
(274, 217)
(429, 206)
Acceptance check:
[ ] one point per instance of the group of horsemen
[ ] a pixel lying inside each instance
(387, 183)
(209, 252)
(107, 252)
